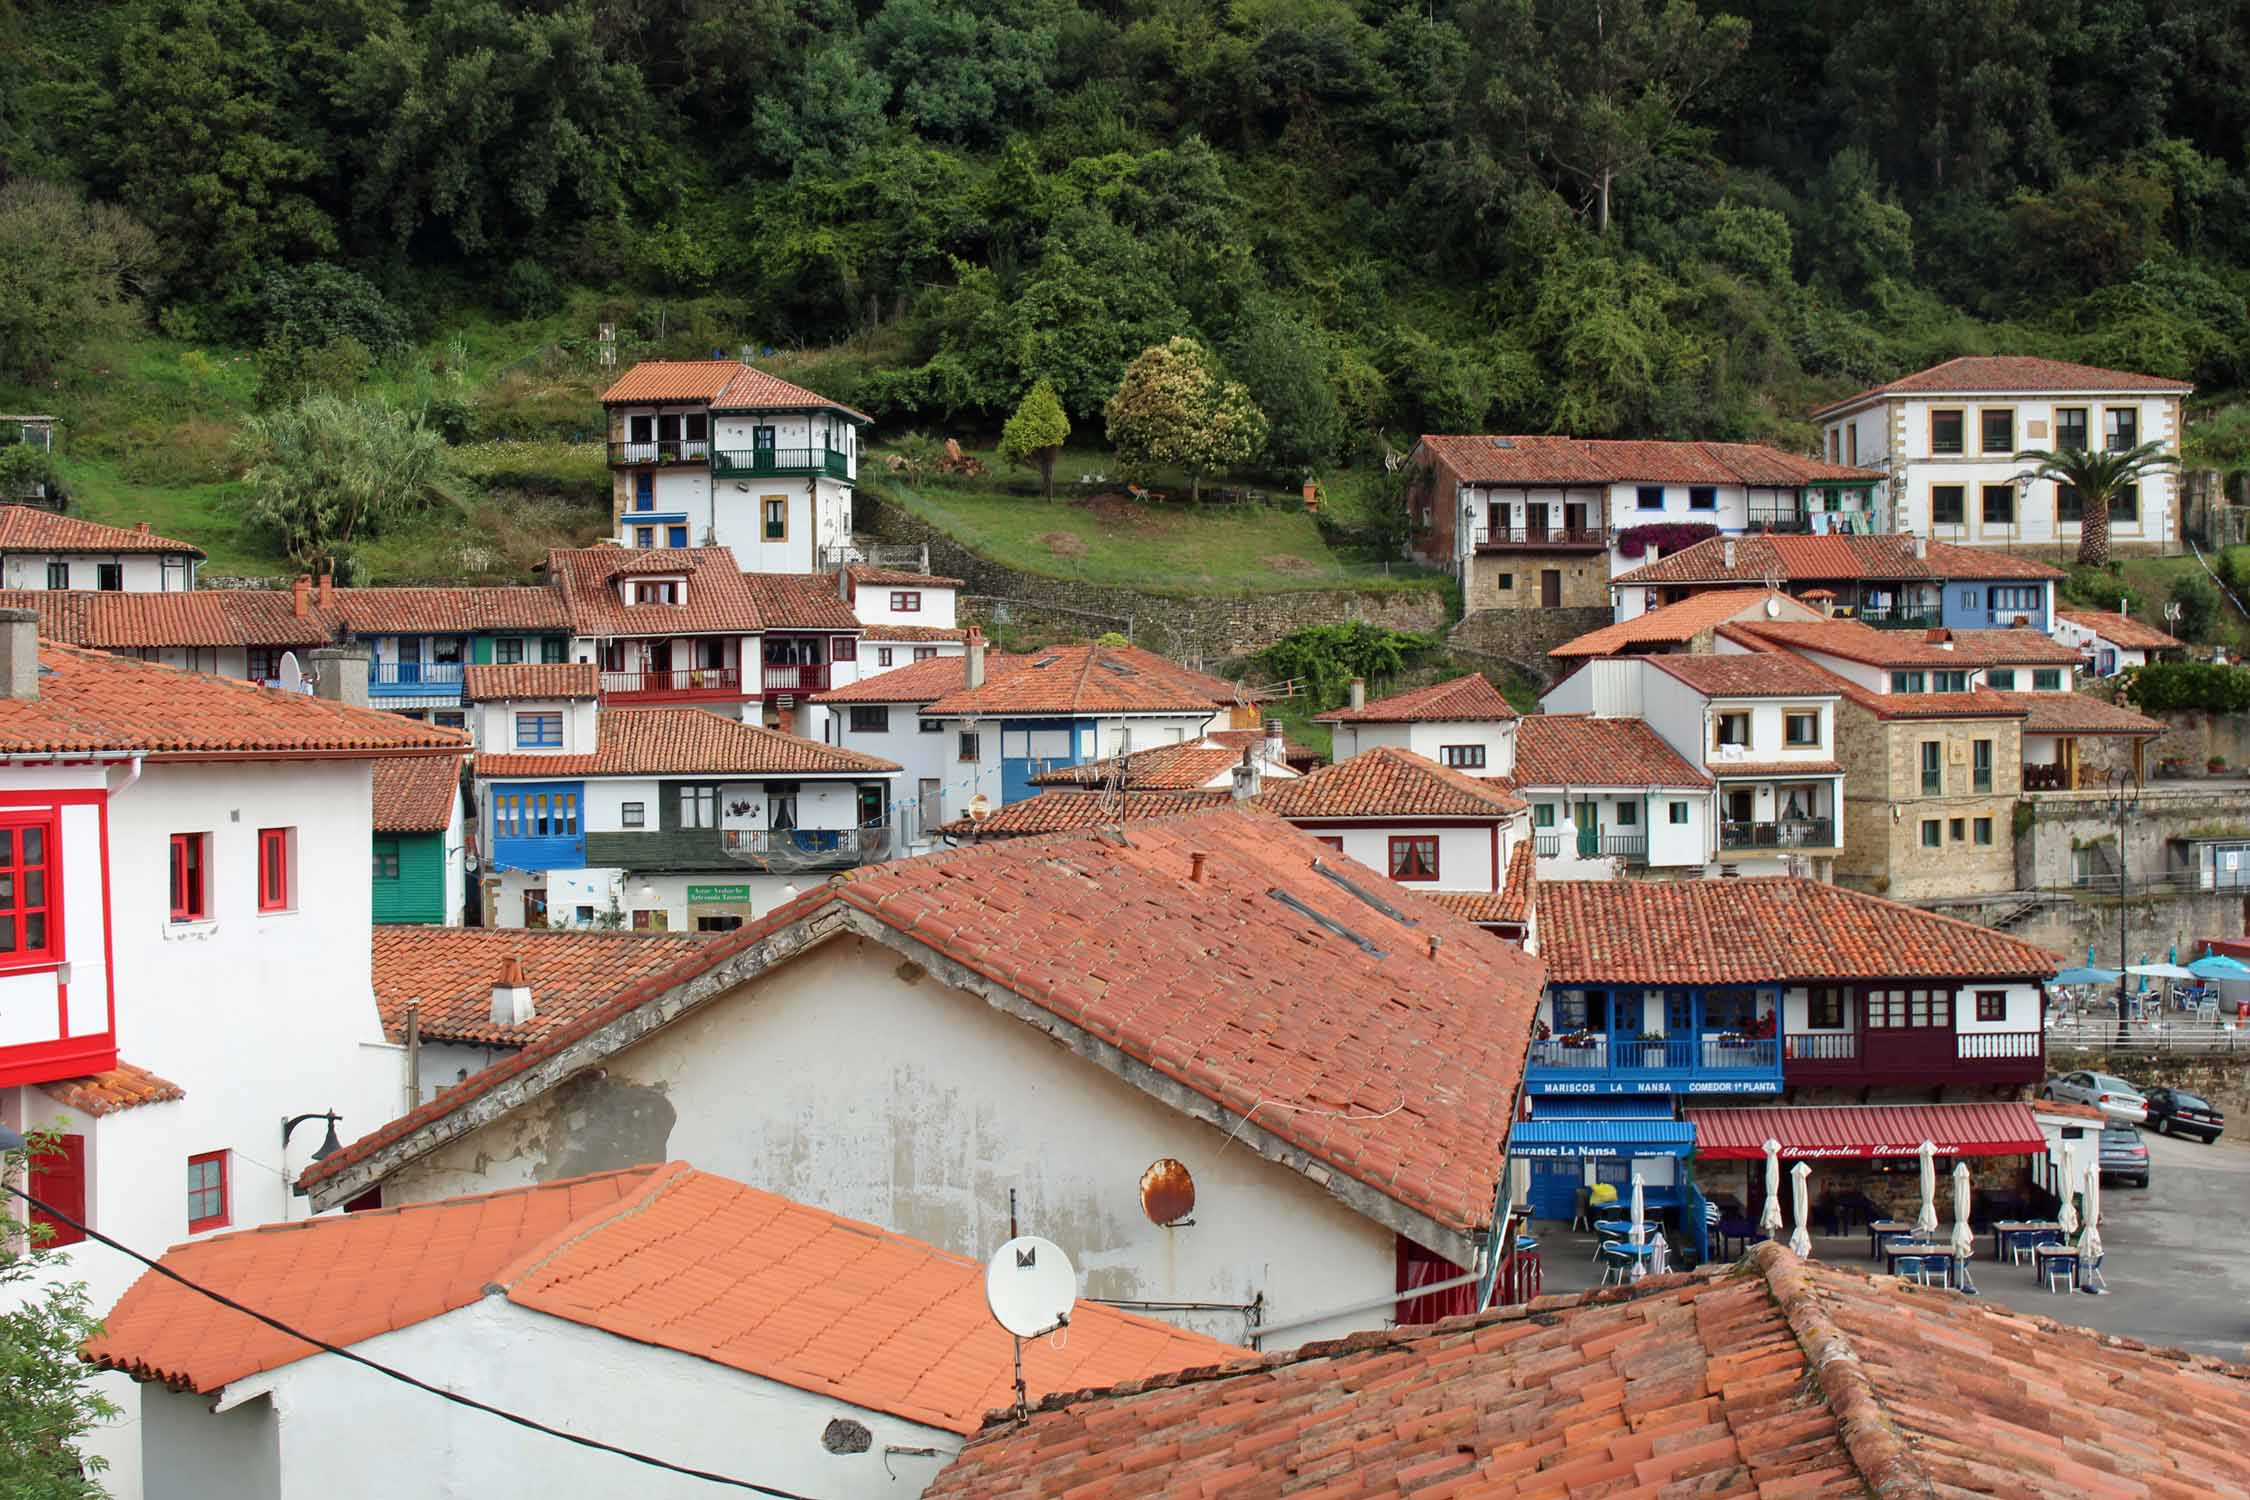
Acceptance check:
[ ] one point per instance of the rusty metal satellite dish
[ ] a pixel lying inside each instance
(1167, 1192)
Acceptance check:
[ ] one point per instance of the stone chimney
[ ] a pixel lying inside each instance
(974, 672)
(511, 997)
(1921, 548)
(1276, 744)
(19, 653)
(140, 528)
(340, 673)
(300, 596)
(1726, 552)
(1359, 692)
(327, 590)
(1248, 775)
(844, 582)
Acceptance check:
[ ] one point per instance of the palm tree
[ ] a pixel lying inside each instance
(2099, 477)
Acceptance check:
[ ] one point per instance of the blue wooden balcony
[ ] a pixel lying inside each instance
(1709, 1064)
(415, 679)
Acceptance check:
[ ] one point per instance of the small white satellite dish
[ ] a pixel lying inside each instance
(1030, 1286)
(1773, 607)
(288, 676)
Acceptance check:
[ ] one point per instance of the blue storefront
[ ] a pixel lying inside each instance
(1571, 1144)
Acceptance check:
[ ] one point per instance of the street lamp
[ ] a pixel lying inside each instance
(321, 1152)
(2123, 800)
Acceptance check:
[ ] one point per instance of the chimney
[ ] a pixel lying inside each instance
(1248, 775)
(327, 590)
(511, 997)
(974, 672)
(1359, 692)
(844, 583)
(785, 717)
(1921, 548)
(300, 596)
(140, 528)
(1277, 745)
(1196, 857)
(340, 673)
(19, 653)
(1726, 553)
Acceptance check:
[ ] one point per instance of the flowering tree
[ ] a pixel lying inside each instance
(1174, 407)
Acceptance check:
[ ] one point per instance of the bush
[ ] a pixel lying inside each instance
(26, 471)
(314, 305)
(1662, 536)
(2199, 606)
(529, 289)
(2102, 588)
(326, 474)
(2165, 685)
(1328, 657)
(291, 372)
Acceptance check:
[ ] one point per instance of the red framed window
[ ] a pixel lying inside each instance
(191, 876)
(58, 1179)
(1414, 857)
(207, 1192)
(273, 869)
(30, 922)
(844, 648)
(906, 601)
(1992, 1005)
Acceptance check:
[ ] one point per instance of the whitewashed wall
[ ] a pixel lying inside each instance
(144, 573)
(1496, 736)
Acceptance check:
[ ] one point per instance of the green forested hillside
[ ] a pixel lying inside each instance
(1605, 216)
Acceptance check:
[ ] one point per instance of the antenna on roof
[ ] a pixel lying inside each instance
(1030, 1287)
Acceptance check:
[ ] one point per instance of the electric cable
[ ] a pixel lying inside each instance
(400, 1376)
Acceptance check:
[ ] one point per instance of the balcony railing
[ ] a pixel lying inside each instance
(1913, 1054)
(685, 682)
(809, 677)
(1540, 536)
(1783, 518)
(1893, 617)
(1546, 845)
(1592, 845)
(415, 675)
(807, 848)
(744, 463)
(1678, 1057)
(658, 452)
(1786, 833)
(2047, 779)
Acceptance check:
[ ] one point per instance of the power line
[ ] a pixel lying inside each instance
(398, 1375)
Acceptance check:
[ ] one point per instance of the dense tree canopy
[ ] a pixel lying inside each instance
(1653, 217)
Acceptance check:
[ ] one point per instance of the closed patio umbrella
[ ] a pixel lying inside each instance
(1519, 1184)
(1925, 1222)
(2090, 1242)
(1800, 1242)
(1964, 1243)
(1640, 1266)
(1769, 1221)
(2067, 1214)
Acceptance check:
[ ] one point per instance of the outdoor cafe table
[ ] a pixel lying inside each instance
(2005, 1229)
(2041, 1254)
(1926, 1249)
(1877, 1228)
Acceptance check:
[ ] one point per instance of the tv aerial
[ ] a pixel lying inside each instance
(1030, 1288)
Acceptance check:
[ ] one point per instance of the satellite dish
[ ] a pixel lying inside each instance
(288, 676)
(1773, 607)
(1167, 1192)
(1030, 1286)
(979, 808)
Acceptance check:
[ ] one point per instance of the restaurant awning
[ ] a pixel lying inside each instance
(1867, 1130)
(1610, 1107)
(1536, 1138)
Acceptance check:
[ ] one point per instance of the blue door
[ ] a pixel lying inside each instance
(1554, 1186)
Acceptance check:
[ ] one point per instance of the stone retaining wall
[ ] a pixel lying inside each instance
(1523, 637)
(2221, 1077)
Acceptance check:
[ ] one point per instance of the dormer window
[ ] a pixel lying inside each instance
(653, 591)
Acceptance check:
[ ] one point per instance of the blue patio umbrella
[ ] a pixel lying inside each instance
(2090, 975)
(2219, 966)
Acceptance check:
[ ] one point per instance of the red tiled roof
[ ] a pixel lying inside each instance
(1077, 812)
(1676, 624)
(667, 1257)
(451, 971)
(1773, 1379)
(1518, 891)
(1161, 768)
(1297, 757)
(1760, 676)
(1766, 770)
(899, 578)
(1760, 929)
(27, 528)
(2119, 630)
(718, 597)
(1093, 679)
(688, 742)
(1865, 1131)
(2015, 647)
(801, 601)
(1543, 459)
(647, 562)
(672, 380)
(2075, 713)
(1509, 906)
(1995, 374)
(1462, 700)
(1979, 702)
(498, 682)
(122, 1087)
(1851, 640)
(923, 635)
(90, 701)
(204, 617)
(1405, 1059)
(450, 611)
(921, 681)
(416, 794)
(1577, 750)
(1829, 559)
(1388, 782)
(753, 389)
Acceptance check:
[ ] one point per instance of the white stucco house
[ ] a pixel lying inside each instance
(814, 1354)
(1947, 438)
(183, 943)
(2109, 641)
(905, 617)
(711, 452)
(1610, 799)
(40, 549)
(1059, 1023)
(1465, 724)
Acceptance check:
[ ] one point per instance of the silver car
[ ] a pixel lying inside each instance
(2112, 1095)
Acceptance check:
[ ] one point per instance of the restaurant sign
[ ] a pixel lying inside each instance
(717, 895)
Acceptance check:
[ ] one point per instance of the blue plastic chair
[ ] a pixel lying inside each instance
(1616, 1263)
(2060, 1268)
(1914, 1266)
(2021, 1246)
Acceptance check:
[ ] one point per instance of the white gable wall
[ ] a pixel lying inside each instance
(1428, 740)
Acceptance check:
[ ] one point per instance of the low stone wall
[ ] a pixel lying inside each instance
(2058, 823)
(2153, 922)
(2193, 735)
(1188, 627)
(2223, 1078)
(1522, 638)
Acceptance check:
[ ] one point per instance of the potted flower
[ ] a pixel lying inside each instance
(2216, 764)
(1652, 1049)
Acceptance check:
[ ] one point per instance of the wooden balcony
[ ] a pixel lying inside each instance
(796, 677)
(1710, 1064)
(660, 453)
(1924, 1055)
(1780, 519)
(680, 685)
(1510, 538)
(760, 463)
(789, 849)
(1786, 833)
(2056, 778)
(1630, 847)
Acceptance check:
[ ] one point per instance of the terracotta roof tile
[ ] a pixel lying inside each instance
(899, 578)
(27, 528)
(498, 682)
(451, 971)
(921, 681)
(913, 635)
(672, 380)
(1676, 624)
(1577, 750)
(1546, 459)
(2119, 630)
(753, 389)
(2075, 713)
(719, 599)
(1077, 812)
(122, 1087)
(1979, 702)
(1994, 374)
(1388, 782)
(1736, 770)
(450, 611)
(1827, 559)
(1184, 767)
(1113, 938)
(416, 794)
(1510, 906)
(1093, 679)
(847, 1311)
(1462, 700)
(688, 742)
(2014, 647)
(1297, 757)
(1759, 929)
(89, 701)
(801, 601)
(1852, 640)
(203, 618)
(1757, 676)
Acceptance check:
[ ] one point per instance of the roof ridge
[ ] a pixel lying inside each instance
(661, 1180)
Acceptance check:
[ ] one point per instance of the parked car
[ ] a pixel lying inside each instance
(2178, 1112)
(2111, 1095)
(2124, 1153)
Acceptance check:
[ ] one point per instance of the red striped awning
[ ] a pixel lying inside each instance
(1867, 1130)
